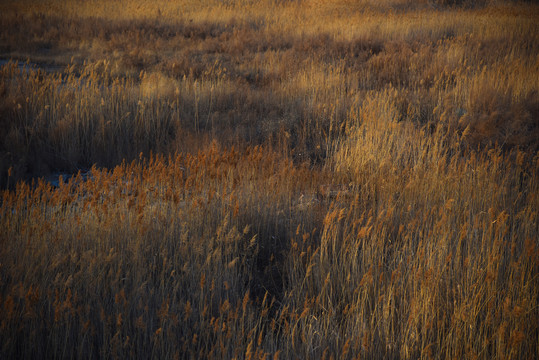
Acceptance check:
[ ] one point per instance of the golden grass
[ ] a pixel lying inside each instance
(275, 179)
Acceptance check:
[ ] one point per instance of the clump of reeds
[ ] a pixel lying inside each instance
(156, 258)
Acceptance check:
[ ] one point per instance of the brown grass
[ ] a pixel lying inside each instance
(274, 179)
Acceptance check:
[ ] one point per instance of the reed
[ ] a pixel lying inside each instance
(269, 179)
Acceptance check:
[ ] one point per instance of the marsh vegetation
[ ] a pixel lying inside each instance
(269, 179)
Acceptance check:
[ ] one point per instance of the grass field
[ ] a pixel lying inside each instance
(309, 179)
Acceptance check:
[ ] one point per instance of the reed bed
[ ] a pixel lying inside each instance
(276, 179)
(229, 254)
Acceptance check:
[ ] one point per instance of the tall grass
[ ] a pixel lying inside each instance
(248, 72)
(275, 179)
(225, 254)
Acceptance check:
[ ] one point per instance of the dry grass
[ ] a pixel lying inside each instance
(286, 179)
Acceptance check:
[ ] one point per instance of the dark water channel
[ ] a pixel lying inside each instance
(28, 65)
